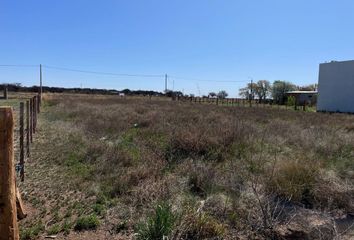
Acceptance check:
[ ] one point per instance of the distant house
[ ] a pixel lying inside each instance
(304, 97)
(336, 87)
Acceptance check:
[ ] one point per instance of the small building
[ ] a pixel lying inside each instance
(308, 98)
(336, 87)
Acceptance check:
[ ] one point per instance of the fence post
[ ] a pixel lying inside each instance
(28, 128)
(8, 216)
(5, 92)
(22, 152)
(34, 114)
(31, 120)
(38, 104)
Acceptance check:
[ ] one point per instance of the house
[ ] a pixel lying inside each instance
(336, 87)
(304, 97)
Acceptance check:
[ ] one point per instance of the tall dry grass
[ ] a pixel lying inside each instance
(139, 152)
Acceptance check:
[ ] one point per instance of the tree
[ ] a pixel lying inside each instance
(248, 91)
(261, 89)
(279, 90)
(222, 94)
(170, 93)
(212, 94)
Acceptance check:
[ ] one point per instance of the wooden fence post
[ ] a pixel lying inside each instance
(28, 128)
(31, 120)
(8, 211)
(34, 114)
(5, 92)
(38, 103)
(22, 133)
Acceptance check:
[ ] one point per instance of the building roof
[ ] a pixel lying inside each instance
(338, 62)
(302, 92)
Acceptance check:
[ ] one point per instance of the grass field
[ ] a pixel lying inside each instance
(132, 168)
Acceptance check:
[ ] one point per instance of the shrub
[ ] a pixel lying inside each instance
(32, 232)
(295, 181)
(66, 227)
(200, 180)
(87, 223)
(54, 229)
(291, 101)
(200, 226)
(99, 209)
(158, 225)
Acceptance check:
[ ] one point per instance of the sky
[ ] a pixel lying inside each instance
(202, 45)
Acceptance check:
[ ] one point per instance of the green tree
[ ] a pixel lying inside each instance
(222, 94)
(260, 89)
(279, 90)
(212, 94)
(248, 91)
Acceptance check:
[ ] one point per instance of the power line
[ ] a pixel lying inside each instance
(125, 74)
(103, 73)
(17, 65)
(205, 80)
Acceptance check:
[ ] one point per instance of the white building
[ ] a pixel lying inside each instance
(336, 87)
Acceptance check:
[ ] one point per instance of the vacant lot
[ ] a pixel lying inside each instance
(116, 168)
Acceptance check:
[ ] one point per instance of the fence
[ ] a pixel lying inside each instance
(11, 206)
(5, 96)
(238, 102)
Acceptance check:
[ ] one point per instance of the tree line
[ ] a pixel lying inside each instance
(17, 87)
(263, 90)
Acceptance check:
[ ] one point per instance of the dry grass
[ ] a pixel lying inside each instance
(129, 154)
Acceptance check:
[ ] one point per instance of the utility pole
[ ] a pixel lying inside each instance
(40, 82)
(166, 83)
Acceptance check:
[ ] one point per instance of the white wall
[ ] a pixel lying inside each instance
(336, 87)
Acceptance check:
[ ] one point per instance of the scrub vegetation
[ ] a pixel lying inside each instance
(147, 168)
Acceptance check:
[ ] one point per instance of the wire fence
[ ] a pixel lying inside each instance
(18, 125)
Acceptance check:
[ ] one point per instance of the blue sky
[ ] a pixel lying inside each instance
(224, 40)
